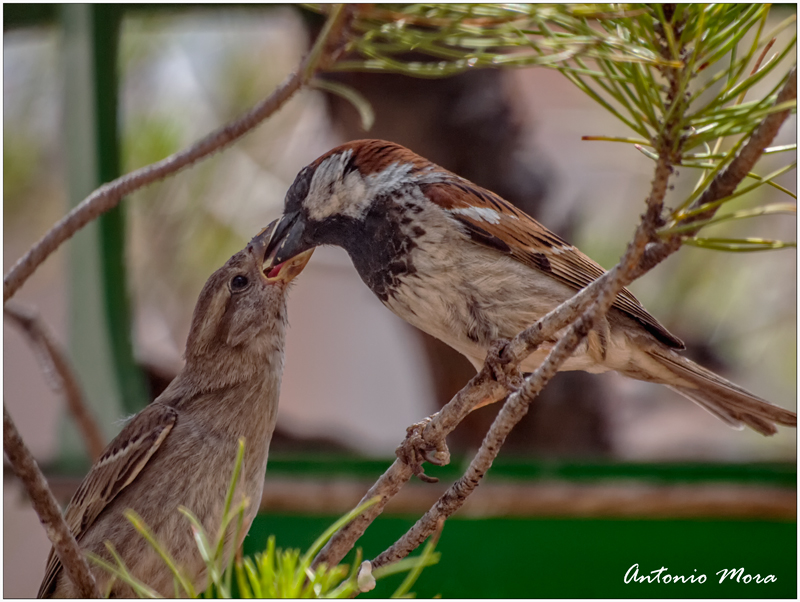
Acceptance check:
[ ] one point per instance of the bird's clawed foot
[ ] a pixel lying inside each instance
(415, 450)
(497, 365)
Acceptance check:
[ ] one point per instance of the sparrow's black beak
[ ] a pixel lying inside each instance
(287, 240)
(282, 269)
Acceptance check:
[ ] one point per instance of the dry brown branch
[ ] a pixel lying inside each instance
(59, 374)
(727, 181)
(326, 50)
(480, 388)
(25, 467)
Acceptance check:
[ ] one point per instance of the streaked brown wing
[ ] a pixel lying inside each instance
(120, 464)
(493, 222)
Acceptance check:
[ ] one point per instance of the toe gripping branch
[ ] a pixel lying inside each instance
(497, 364)
(415, 450)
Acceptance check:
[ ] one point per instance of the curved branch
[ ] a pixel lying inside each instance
(59, 372)
(326, 50)
(727, 181)
(399, 473)
(25, 467)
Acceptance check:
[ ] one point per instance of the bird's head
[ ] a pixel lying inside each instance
(331, 199)
(241, 311)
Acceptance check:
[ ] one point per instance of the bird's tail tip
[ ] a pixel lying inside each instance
(727, 401)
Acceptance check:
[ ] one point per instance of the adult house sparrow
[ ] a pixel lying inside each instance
(467, 267)
(180, 450)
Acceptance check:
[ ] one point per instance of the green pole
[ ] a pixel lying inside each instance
(99, 311)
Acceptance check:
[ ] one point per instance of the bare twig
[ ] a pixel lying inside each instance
(479, 388)
(25, 467)
(727, 181)
(326, 50)
(59, 373)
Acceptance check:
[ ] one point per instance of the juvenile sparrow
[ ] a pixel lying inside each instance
(467, 267)
(180, 450)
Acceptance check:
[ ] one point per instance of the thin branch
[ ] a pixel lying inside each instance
(480, 388)
(59, 373)
(727, 181)
(326, 50)
(25, 467)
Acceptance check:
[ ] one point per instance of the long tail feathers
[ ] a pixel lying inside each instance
(727, 401)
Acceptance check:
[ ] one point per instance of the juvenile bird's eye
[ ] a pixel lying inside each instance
(239, 283)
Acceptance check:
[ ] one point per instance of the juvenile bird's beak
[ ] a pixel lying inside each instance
(286, 240)
(277, 271)
(289, 269)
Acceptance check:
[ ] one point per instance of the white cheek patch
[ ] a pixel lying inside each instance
(329, 194)
(350, 196)
(481, 213)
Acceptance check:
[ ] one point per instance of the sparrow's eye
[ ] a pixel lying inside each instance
(239, 283)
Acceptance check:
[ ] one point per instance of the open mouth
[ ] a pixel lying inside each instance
(284, 271)
(288, 270)
(273, 273)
